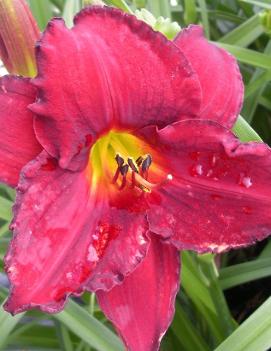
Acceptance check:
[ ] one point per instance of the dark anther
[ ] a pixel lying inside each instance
(132, 165)
(146, 163)
(139, 160)
(139, 172)
(120, 160)
(124, 170)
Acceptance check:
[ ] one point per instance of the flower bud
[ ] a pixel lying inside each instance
(160, 24)
(18, 34)
(93, 2)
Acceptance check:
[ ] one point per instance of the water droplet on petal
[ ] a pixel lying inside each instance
(214, 159)
(69, 275)
(199, 169)
(169, 177)
(245, 181)
(92, 254)
(196, 170)
(141, 240)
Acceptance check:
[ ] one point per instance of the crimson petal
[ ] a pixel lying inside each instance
(62, 229)
(142, 307)
(219, 196)
(18, 144)
(109, 71)
(219, 75)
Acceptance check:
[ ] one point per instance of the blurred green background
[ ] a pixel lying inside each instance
(224, 303)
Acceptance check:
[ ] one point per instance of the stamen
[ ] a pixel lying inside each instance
(116, 176)
(139, 173)
(139, 161)
(123, 183)
(146, 163)
(132, 165)
(124, 170)
(120, 160)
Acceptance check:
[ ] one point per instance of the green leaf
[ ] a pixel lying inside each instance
(190, 11)
(222, 309)
(139, 4)
(181, 326)
(244, 132)
(266, 252)
(254, 334)
(7, 324)
(225, 16)
(5, 208)
(70, 10)
(36, 338)
(244, 272)
(193, 281)
(7, 191)
(160, 8)
(255, 88)
(248, 56)
(197, 288)
(121, 4)
(42, 11)
(59, 4)
(258, 83)
(4, 229)
(245, 34)
(64, 337)
(265, 102)
(261, 3)
(204, 16)
(89, 329)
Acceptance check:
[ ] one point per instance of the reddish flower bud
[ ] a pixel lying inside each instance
(18, 34)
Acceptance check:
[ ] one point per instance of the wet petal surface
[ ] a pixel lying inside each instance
(63, 232)
(18, 144)
(142, 307)
(219, 195)
(109, 71)
(219, 75)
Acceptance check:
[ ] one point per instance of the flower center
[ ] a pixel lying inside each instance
(120, 160)
(139, 172)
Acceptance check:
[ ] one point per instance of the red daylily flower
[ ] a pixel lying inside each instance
(133, 160)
